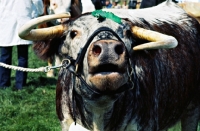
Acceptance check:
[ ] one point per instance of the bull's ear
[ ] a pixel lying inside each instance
(28, 32)
(157, 40)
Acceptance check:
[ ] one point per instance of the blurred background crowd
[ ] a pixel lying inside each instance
(132, 4)
(124, 4)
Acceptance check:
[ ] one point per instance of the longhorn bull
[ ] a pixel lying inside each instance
(139, 71)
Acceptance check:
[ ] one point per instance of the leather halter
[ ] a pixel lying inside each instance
(74, 64)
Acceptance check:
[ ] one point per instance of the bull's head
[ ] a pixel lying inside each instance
(102, 46)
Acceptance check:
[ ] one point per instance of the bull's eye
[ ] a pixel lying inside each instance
(73, 34)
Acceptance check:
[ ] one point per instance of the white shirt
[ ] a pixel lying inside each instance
(87, 6)
(13, 14)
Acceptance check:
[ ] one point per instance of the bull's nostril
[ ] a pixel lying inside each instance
(119, 49)
(96, 50)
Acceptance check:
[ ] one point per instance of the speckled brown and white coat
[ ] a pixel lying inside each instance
(161, 86)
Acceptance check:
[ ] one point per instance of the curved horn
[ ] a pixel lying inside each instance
(157, 39)
(28, 32)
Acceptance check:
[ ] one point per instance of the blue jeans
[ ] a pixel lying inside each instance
(6, 57)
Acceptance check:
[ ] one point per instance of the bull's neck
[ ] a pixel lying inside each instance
(101, 111)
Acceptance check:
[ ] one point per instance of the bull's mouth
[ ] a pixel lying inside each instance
(107, 62)
(104, 69)
(107, 77)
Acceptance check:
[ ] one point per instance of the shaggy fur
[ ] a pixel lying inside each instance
(166, 81)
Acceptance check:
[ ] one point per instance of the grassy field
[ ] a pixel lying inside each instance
(33, 108)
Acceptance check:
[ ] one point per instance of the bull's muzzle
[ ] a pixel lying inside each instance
(107, 50)
(106, 56)
(107, 64)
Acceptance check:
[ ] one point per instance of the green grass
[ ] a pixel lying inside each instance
(33, 108)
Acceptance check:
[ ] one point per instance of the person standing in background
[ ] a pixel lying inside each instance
(117, 4)
(124, 5)
(108, 4)
(99, 4)
(132, 4)
(13, 14)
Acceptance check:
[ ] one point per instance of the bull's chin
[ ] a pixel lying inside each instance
(108, 81)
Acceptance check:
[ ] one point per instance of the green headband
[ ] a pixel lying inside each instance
(102, 15)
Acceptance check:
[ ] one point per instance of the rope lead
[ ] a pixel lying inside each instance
(65, 63)
(41, 69)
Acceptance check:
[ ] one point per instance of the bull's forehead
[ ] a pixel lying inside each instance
(89, 24)
(86, 26)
